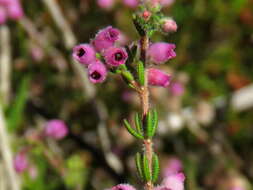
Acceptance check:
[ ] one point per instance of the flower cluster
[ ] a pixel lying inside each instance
(103, 45)
(102, 54)
(10, 9)
(171, 182)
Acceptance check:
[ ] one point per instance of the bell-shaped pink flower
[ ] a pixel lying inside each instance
(161, 52)
(20, 162)
(56, 129)
(131, 3)
(3, 16)
(97, 72)
(157, 77)
(106, 4)
(106, 38)
(84, 54)
(115, 56)
(173, 166)
(122, 187)
(14, 10)
(177, 89)
(169, 25)
(174, 181)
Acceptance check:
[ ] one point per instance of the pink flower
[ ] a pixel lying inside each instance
(174, 181)
(84, 54)
(14, 10)
(157, 77)
(105, 4)
(106, 38)
(169, 25)
(97, 72)
(115, 56)
(177, 89)
(122, 187)
(131, 3)
(56, 129)
(20, 162)
(161, 52)
(173, 166)
(3, 16)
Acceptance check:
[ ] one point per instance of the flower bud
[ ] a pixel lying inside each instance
(97, 72)
(105, 4)
(115, 56)
(169, 25)
(84, 54)
(123, 187)
(161, 52)
(3, 16)
(157, 77)
(131, 3)
(106, 38)
(20, 162)
(146, 15)
(174, 181)
(56, 129)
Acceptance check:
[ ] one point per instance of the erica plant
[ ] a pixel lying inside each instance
(136, 64)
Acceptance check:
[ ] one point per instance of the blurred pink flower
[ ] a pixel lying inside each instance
(177, 89)
(106, 4)
(20, 162)
(56, 129)
(173, 166)
(174, 181)
(131, 3)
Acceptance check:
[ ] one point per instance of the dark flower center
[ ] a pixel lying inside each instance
(118, 56)
(96, 75)
(81, 52)
(112, 34)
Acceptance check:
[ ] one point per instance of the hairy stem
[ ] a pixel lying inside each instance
(144, 97)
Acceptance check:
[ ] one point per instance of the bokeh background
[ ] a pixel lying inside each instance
(206, 123)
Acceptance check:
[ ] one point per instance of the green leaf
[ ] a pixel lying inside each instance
(15, 113)
(128, 76)
(155, 122)
(139, 166)
(138, 123)
(141, 73)
(149, 124)
(146, 169)
(131, 130)
(155, 168)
